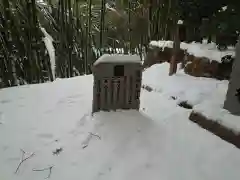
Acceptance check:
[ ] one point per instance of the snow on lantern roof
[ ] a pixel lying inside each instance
(180, 21)
(118, 58)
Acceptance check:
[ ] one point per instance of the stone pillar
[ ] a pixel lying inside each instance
(232, 102)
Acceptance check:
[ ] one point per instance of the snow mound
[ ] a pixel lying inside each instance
(194, 90)
(206, 95)
(209, 51)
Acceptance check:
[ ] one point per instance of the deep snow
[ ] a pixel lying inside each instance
(159, 142)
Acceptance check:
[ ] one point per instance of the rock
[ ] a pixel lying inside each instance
(158, 55)
(213, 68)
(202, 67)
(196, 67)
(185, 104)
(57, 151)
(225, 68)
(147, 88)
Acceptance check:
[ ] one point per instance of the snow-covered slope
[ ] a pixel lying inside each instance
(184, 87)
(159, 142)
(206, 95)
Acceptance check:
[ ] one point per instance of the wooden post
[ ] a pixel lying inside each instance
(176, 48)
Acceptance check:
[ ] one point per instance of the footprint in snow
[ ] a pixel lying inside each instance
(45, 135)
(83, 120)
(74, 96)
(86, 141)
(5, 101)
(76, 132)
(1, 118)
(4, 148)
(13, 159)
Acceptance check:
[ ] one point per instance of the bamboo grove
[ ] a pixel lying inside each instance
(82, 30)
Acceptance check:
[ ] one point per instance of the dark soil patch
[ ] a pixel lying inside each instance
(57, 151)
(216, 128)
(147, 88)
(173, 97)
(185, 104)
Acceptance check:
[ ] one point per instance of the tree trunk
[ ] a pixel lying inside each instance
(129, 28)
(88, 36)
(70, 40)
(176, 48)
(102, 25)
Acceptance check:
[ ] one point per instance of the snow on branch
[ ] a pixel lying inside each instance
(48, 41)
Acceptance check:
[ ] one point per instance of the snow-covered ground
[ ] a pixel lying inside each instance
(209, 51)
(214, 110)
(206, 95)
(159, 142)
(184, 87)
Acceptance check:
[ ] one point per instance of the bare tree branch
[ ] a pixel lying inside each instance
(50, 172)
(23, 153)
(44, 169)
(95, 135)
(24, 159)
(84, 146)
